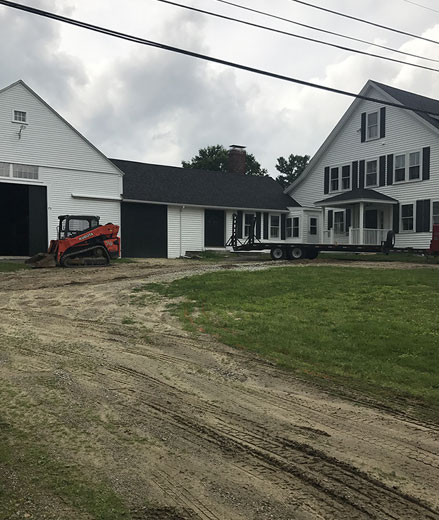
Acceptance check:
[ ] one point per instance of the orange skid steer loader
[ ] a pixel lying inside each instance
(82, 241)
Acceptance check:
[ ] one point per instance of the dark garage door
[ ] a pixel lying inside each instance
(214, 222)
(144, 230)
(23, 214)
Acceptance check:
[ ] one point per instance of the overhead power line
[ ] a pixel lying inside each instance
(326, 31)
(306, 38)
(420, 5)
(150, 43)
(368, 22)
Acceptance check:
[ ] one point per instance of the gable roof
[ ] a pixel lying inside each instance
(392, 94)
(33, 93)
(173, 185)
(356, 195)
(415, 101)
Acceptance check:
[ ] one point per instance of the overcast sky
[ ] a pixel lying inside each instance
(144, 104)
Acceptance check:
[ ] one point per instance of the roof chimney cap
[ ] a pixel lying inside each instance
(237, 146)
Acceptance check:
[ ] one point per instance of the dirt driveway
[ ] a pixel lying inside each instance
(183, 427)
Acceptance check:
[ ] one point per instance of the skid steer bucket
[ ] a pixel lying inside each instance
(42, 260)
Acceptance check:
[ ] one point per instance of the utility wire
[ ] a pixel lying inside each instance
(326, 31)
(366, 21)
(314, 40)
(142, 41)
(420, 5)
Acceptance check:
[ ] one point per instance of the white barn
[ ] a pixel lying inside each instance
(47, 168)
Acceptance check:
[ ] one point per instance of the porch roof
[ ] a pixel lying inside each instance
(357, 195)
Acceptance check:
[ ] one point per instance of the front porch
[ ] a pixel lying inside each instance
(358, 217)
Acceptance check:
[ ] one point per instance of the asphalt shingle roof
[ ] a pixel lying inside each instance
(357, 194)
(414, 100)
(169, 184)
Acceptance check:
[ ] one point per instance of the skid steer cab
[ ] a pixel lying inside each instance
(82, 242)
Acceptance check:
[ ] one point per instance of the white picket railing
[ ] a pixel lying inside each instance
(371, 237)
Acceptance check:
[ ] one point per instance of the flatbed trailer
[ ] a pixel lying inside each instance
(296, 251)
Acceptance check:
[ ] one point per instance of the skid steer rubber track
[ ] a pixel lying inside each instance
(95, 256)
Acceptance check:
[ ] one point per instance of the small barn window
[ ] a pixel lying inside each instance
(292, 227)
(334, 179)
(4, 169)
(24, 171)
(346, 177)
(19, 116)
(371, 173)
(399, 168)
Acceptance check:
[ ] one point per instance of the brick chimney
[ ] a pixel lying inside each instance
(237, 159)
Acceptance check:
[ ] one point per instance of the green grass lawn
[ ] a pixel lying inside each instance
(9, 267)
(375, 330)
(380, 257)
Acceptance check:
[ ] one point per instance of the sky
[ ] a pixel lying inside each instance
(145, 104)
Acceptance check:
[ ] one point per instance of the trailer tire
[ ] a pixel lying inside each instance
(297, 253)
(277, 253)
(312, 253)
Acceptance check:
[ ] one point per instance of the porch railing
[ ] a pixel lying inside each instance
(371, 237)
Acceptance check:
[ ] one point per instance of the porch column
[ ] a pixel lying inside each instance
(322, 229)
(361, 223)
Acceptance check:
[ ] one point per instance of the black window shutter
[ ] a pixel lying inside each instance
(382, 170)
(426, 163)
(348, 218)
(363, 127)
(396, 218)
(326, 184)
(355, 175)
(390, 169)
(258, 225)
(266, 226)
(423, 216)
(362, 168)
(283, 225)
(239, 224)
(330, 219)
(383, 122)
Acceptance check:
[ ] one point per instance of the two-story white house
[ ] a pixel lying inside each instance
(377, 171)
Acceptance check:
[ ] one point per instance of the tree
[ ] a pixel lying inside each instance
(216, 158)
(290, 168)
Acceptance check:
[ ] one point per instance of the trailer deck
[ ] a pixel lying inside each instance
(295, 251)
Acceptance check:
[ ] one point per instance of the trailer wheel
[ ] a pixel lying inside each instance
(277, 253)
(312, 253)
(296, 253)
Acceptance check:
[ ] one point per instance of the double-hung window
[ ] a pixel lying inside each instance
(407, 220)
(274, 226)
(339, 222)
(292, 227)
(414, 165)
(313, 226)
(435, 212)
(248, 223)
(399, 168)
(371, 173)
(346, 178)
(334, 179)
(372, 125)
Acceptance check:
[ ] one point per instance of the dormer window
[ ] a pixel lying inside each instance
(19, 116)
(372, 126)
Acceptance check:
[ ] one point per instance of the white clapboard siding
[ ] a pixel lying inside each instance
(405, 132)
(46, 139)
(71, 192)
(185, 230)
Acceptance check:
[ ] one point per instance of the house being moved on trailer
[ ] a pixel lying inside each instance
(377, 171)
